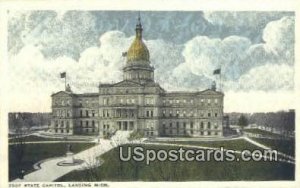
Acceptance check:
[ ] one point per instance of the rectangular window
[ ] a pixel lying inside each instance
(216, 114)
(151, 113)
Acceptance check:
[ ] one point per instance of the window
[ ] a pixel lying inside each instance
(68, 124)
(80, 113)
(202, 125)
(208, 125)
(192, 125)
(93, 113)
(208, 133)
(184, 124)
(87, 123)
(201, 133)
(81, 123)
(208, 114)
(86, 113)
(164, 113)
(62, 123)
(216, 133)
(177, 125)
(170, 125)
(177, 113)
(56, 123)
(192, 132)
(93, 123)
(170, 113)
(216, 114)
(147, 113)
(151, 113)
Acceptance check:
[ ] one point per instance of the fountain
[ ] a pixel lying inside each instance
(69, 159)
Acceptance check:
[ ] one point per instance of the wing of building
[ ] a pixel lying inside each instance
(138, 103)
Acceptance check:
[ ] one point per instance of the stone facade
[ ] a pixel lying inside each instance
(138, 103)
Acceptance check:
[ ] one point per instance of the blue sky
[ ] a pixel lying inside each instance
(255, 50)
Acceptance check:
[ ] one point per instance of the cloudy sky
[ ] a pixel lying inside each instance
(255, 51)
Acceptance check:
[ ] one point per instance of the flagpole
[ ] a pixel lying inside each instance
(66, 82)
(220, 81)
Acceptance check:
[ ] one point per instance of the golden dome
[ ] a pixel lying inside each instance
(138, 50)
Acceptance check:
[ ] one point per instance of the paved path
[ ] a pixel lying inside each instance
(256, 143)
(50, 171)
(289, 157)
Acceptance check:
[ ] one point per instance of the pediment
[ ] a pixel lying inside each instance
(210, 92)
(126, 83)
(62, 94)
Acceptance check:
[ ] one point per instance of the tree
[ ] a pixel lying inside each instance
(19, 145)
(243, 121)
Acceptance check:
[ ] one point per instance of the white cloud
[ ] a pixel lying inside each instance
(243, 18)
(204, 55)
(279, 36)
(268, 77)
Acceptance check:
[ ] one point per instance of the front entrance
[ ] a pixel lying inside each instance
(125, 125)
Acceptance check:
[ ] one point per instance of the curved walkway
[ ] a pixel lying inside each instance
(49, 170)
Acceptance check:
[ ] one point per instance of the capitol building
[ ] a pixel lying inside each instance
(139, 104)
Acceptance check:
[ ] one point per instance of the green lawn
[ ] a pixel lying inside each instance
(262, 132)
(36, 152)
(114, 170)
(33, 138)
(239, 144)
(284, 146)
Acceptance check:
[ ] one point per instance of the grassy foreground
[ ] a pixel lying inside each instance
(238, 144)
(284, 146)
(37, 152)
(114, 170)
